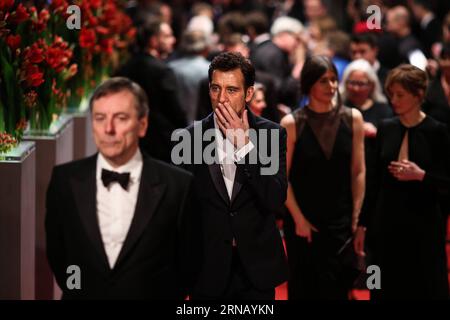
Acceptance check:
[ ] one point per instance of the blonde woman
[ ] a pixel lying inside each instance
(413, 170)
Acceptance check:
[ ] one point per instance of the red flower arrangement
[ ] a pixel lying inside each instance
(103, 41)
(37, 55)
(34, 66)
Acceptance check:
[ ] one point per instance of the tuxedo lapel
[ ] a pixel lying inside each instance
(214, 169)
(151, 190)
(238, 183)
(219, 183)
(85, 190)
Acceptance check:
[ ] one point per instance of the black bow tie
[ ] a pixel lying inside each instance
(110, 176)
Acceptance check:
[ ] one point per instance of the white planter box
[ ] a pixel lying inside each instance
(17, 222)
(52, 148)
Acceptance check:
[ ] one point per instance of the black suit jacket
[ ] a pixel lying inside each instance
(429, 35)
(153, 262)
(249, 216)
(436, 104)
(166, 114)
(270, 59)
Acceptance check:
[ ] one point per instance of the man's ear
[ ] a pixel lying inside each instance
(143, 125)
(376, 51)
(153, 42)
(249, 94)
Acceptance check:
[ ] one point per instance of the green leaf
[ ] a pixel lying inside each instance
(2, 117)
(10, 84)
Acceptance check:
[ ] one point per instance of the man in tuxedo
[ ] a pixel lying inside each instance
(243, 256)
(121, 217)
(271, 56)
(146, 67)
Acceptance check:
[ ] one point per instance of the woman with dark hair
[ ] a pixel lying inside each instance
(406, 229)
(325, 160)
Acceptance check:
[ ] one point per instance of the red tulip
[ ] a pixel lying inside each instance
(57, 6)
(87, 38)
(19, 15)
(13, 42)
(34, 77)
(41, 23)
(6, 5)
(34, 54)
(58, 54)
(95, 4)
(106, 45)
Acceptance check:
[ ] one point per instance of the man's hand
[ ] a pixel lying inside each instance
(235, 128)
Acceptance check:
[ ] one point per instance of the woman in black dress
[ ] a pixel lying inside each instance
(325, 160)
(361, 89)
(406, 232)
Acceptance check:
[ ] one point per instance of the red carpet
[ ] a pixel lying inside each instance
(281, 291)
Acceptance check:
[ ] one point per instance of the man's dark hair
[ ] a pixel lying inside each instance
(119, 84)
(148, 28)
(232, 22)
(365, 37)
(258, 21)
(193, 42)
(228, 61)
(424, 4)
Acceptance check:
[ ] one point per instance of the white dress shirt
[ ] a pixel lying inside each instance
(228, 156)
(115, 206)
(426, 20)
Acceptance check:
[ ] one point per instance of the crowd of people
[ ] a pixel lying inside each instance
(362, 120)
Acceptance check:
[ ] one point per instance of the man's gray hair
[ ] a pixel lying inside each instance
(193, 42)
(286, 24)
(119, 84)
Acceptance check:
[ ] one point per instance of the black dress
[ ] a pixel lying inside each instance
(406, 232)
(374, 115)
(320, 176)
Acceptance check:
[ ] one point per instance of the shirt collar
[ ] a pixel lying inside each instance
(133, 166)
(261, 38)
(376, 65)
(426, 20)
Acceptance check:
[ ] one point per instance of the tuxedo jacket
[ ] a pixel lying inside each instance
(270, 59)
(166, 113)
(248, 217)
(154, 260)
